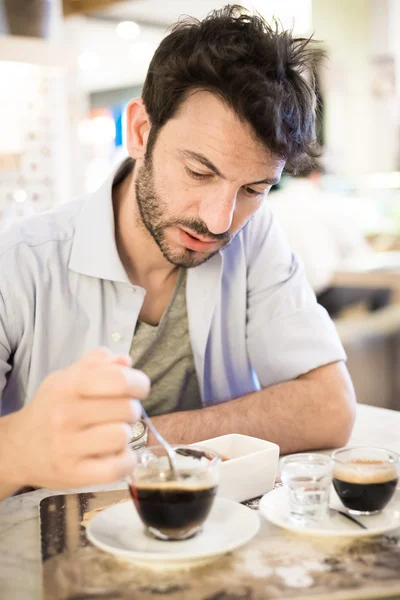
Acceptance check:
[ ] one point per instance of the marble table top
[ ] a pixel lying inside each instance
(20, 562)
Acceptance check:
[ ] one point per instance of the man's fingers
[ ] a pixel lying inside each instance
(113, 381)
(101, 354)
(97, 411)
(104, 354)
(122, 359)
(106, 470)
(102, 440)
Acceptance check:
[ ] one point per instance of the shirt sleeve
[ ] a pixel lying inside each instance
(5, 339)
(288, 332)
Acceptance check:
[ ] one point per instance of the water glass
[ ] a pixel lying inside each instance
(307, 477)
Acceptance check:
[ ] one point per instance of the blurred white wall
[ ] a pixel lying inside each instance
(293, 14)
(362, 107)
(34, 153)
(108, 61)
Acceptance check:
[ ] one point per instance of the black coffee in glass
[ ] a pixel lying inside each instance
(173, 504)
(365, 486)
(173, 510)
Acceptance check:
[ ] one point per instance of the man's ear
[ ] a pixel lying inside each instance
(138, 128)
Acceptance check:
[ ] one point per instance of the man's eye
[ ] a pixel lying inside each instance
(196, 175)
(252, 192)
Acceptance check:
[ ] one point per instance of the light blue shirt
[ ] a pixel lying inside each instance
(253, 319)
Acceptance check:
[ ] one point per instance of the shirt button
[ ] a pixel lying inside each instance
(116, 336)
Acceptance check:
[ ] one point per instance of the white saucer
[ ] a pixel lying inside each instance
(119, 530)
(274, 506)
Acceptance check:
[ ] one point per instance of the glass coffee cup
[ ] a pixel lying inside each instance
(174, 507)
(365, 478)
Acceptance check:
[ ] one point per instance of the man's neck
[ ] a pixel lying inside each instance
(139, 254)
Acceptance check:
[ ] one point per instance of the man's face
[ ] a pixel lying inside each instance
(205, 178)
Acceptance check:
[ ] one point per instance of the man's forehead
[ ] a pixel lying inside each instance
(205, 124)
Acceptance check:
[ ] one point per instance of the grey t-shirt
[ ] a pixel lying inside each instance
(164, 353)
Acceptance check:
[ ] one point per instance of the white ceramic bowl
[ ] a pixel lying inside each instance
(251, 468)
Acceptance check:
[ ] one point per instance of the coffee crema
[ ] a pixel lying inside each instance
(365, 485)
(359, 470)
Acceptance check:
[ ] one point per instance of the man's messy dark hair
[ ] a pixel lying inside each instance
(261, 71)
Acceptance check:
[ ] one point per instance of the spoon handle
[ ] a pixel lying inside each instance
(388, 538)
(170, 451)
(350, 517)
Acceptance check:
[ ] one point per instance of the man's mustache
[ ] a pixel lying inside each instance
(200, 228)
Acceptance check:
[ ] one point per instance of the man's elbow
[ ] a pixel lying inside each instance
(336, 399)
(342, 417)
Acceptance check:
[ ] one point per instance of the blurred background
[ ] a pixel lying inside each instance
(68, 69)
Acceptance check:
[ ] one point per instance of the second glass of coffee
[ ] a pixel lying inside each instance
(174, 508)
(365, 478)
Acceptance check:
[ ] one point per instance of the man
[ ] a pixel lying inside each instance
(176, 265)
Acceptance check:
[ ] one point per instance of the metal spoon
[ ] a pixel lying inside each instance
(171, 454)
(388, 538)
(350, 517)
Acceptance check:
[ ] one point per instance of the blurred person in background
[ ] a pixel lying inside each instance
(321, 232)
(177, 266)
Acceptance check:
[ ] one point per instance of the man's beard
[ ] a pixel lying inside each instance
(152, 210)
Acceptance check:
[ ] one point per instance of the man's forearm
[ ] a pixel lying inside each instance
(312, 412)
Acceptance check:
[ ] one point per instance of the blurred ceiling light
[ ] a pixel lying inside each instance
(88, 61)
(20, 196)
(128, 30)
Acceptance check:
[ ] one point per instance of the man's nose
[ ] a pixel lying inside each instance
(217, 212)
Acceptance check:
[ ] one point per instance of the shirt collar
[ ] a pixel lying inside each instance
(94, 250)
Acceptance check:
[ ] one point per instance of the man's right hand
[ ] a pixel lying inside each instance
(75, 430)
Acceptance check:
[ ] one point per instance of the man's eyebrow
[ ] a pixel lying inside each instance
(268, 180)
(203, 160)
(207, 163)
